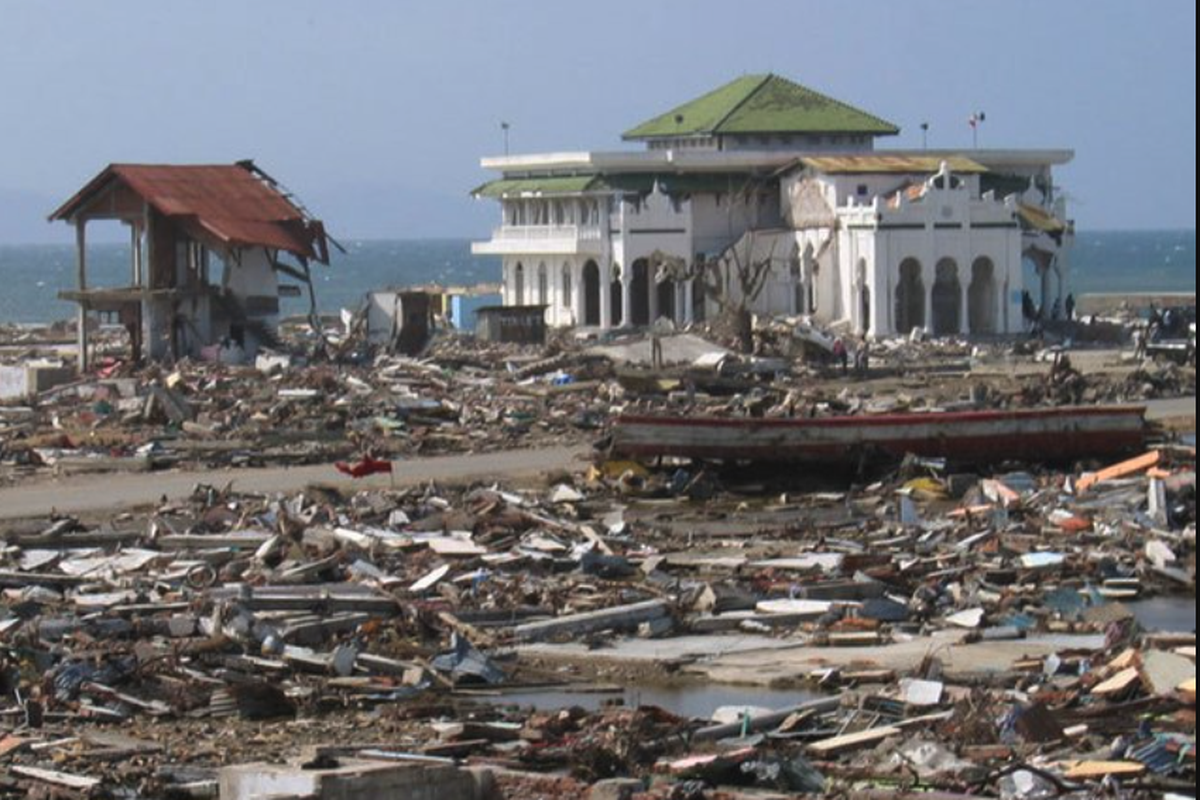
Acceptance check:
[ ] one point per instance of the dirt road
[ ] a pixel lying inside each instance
(113, 492)
(1178, 412)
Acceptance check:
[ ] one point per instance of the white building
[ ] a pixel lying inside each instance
(881, 242)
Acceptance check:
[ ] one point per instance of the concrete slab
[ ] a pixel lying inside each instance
(351, 780)
(761, 661)
(682, 349)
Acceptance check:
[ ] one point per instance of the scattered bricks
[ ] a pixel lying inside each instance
(535, 787)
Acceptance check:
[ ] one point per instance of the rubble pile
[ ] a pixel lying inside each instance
(968, 635)
(281, 414)
(464, 396)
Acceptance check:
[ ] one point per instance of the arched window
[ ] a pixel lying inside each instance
(543, 285)
(568, 287)
(983, 298)
(519, 285)
(592, 311)
(910, 297)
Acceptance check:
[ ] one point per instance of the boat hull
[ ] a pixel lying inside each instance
(1062, 434)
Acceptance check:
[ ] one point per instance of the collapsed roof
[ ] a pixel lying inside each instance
(226, 207)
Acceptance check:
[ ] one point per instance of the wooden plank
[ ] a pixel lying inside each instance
(1121, 682)
(62, 779)
(854, 741)
(1093, 770)
(1125, 469)
(19, 580)
(246, 540)
(623, 618)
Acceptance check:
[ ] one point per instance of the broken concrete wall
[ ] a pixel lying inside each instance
(252, 288)
(27, 380)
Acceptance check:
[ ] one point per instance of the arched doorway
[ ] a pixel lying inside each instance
(666, 300)
(981, 298)
(947, 299)
(591, 294)
(617, 296)
(640, 294)
(910, 297)
(519, 285)
(568, 287)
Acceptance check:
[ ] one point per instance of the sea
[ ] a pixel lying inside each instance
(1104, 262)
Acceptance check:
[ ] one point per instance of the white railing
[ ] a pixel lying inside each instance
(583, 233)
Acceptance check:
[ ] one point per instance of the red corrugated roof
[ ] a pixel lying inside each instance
(228, 203)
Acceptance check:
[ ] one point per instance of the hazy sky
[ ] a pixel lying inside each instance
(376, 112)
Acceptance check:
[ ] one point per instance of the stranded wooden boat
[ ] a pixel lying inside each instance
(1060, 434)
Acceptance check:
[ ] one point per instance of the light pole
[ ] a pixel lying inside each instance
(924, 135)
(977, 119)
(504, 126)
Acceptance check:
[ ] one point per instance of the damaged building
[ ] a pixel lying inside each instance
(208, 245)
(764, 171)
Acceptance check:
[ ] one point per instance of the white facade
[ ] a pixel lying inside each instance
(878, 253)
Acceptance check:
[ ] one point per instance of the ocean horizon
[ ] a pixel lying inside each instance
(1104, 262)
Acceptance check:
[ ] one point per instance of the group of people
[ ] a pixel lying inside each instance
(1161, 325)
(1036, 316)
(859, 354)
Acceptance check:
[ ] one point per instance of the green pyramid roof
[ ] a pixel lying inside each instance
(762, 104)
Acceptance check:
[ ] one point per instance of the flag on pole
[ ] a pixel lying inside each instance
(976, 119)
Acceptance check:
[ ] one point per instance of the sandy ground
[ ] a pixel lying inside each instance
(116, 492)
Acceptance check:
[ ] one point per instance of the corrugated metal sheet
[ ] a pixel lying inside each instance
(1159, 755)
(226, 203)
(892, 165)
(1036, 218)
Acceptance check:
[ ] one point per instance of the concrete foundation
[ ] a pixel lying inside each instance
(351, 780)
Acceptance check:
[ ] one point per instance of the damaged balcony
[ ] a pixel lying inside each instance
(543, 240)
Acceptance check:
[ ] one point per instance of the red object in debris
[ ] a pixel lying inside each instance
(110, 368)
(365, 468)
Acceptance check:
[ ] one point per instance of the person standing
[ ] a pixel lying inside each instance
(841, 355)
(862, 359)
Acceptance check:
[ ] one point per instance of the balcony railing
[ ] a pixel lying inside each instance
(581, 233)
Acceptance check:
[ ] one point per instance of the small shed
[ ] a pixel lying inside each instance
(402, 321)
(511, 324)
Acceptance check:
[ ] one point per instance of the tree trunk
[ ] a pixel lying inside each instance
(742, 323)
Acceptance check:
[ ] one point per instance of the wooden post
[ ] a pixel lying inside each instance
(81, 254)
(138, 259)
